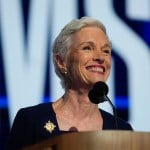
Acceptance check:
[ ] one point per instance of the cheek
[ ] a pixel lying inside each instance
(72, 66)
(108, 68)
(77, 67)
(81, 68)
(82, 61)
(109, 63)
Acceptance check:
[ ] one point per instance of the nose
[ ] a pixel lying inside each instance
(98, 57)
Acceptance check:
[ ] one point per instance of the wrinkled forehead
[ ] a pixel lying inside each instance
(89, 35)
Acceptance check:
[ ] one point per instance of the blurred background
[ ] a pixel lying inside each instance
(27, 77)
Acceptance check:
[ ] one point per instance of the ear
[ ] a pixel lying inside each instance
(59, 61)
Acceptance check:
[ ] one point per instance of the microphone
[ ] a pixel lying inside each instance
(73, 129)
(99, 95)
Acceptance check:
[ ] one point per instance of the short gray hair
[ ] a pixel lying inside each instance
(63, 40)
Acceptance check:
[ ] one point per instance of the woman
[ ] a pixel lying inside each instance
(82, 57)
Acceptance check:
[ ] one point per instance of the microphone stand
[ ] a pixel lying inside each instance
(106, 98)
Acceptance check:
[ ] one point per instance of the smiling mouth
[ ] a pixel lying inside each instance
(98, 69)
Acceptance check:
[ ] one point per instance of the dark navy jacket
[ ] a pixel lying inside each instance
(28, 127)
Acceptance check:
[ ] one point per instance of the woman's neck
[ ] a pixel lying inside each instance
(74, 109)
(76, 103)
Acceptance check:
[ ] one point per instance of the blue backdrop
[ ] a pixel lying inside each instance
(27, 30)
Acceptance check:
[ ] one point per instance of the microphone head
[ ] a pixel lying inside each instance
(98, 93)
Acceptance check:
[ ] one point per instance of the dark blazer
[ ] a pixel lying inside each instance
(29, 126)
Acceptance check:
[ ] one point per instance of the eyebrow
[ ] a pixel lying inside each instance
(88, 42)
(107, 45)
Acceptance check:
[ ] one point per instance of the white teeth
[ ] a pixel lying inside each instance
(96, 69)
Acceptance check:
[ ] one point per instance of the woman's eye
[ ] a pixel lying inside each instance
(107, 51)
(87, 48)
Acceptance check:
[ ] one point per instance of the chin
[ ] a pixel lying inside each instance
(102, 80)
(93, 82)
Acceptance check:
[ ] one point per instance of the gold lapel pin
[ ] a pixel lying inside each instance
(49, 126)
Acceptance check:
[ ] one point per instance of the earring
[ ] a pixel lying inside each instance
(63, 71)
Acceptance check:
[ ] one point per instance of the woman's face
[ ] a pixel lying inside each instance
(89, 57)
